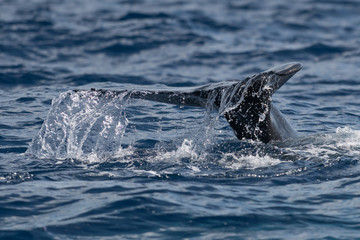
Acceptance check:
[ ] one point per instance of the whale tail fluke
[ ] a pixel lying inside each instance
(250, 117)
(245, 104)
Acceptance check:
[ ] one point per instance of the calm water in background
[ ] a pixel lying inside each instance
(178, 172)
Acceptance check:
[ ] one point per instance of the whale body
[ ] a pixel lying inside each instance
(245, 104)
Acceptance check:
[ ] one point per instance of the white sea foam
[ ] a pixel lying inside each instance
(235, 161)
(186, 150)
(328, 147)
(347, 138)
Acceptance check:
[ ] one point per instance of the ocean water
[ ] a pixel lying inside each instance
(74, 165)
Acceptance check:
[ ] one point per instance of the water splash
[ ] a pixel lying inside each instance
(91, 126)
(82, 125)
(186, 150)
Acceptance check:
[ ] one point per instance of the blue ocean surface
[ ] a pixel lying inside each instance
(74, 165)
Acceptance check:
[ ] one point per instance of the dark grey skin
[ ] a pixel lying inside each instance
(246, 104)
